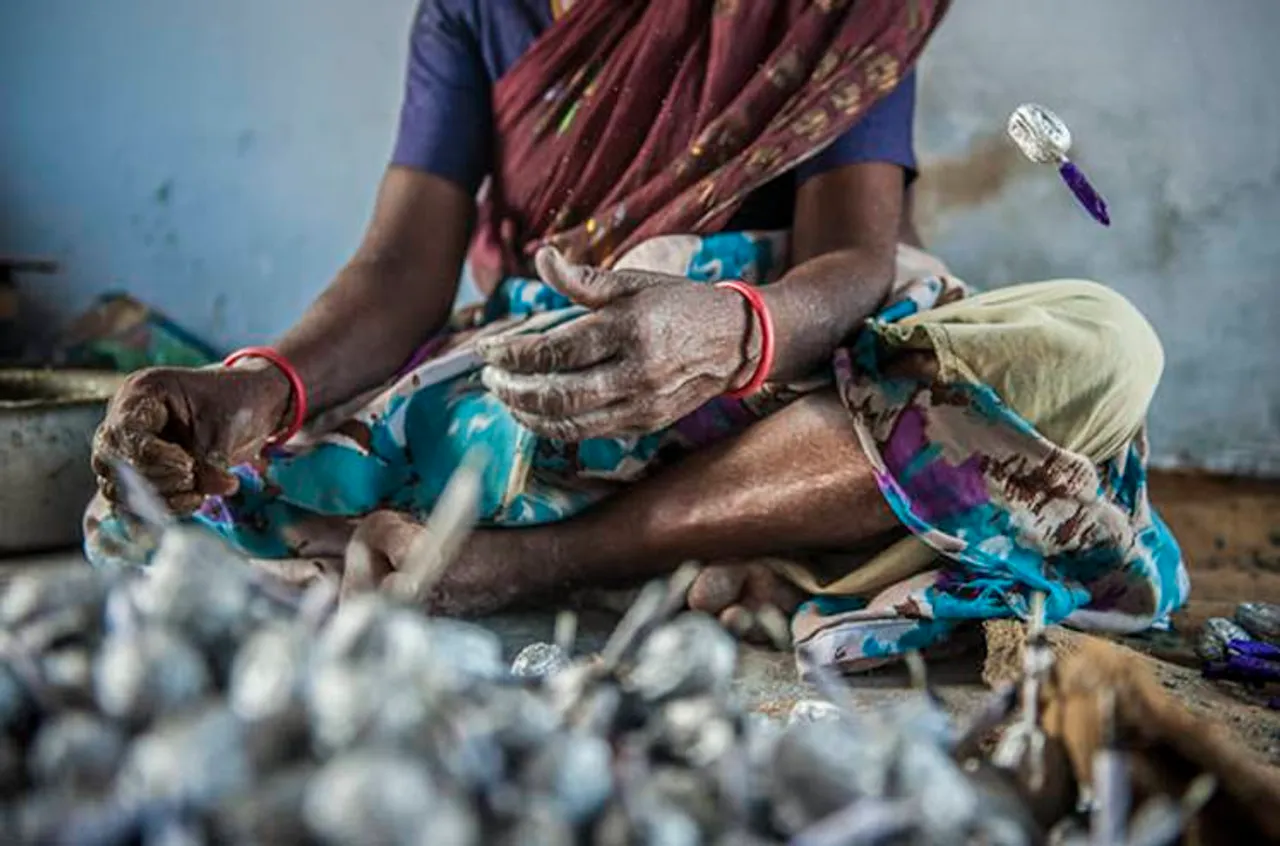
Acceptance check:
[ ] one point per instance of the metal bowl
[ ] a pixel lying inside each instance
(47, 420)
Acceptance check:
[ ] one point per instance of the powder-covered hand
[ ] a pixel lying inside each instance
(653, 349)
(182, 429)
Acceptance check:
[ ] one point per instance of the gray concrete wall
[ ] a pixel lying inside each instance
(1176, 119)
(219, 159)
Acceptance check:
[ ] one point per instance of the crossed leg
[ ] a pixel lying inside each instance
(797, 480)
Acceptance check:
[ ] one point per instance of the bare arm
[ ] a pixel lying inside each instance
(182, 428)
(396, 291)
(656, 347)
(844, 239)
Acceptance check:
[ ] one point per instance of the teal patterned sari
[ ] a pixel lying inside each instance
(952, 460)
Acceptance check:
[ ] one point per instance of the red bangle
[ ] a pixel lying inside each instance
(295, 385)
(761, 311)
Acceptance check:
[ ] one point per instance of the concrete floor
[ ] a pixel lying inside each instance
(1229, 530)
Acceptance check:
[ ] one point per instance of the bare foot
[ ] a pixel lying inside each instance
(492, 571)
(497, 568)
(735, 591)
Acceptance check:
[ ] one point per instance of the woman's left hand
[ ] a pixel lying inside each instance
(653, 349)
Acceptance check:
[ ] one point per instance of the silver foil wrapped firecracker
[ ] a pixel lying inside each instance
(1044, 138)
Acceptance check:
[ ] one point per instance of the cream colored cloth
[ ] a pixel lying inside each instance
(1073, 358)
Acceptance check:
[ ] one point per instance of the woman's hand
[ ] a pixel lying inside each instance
(182, 429)
(653, 349)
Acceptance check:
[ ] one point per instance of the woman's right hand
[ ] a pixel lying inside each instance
(182, 429)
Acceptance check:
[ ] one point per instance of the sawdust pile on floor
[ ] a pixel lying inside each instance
(1229, 531)
(1175, 725)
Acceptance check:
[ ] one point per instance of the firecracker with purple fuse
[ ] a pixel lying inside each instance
(1044, 138)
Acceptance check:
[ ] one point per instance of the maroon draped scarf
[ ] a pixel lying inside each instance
(630, 119)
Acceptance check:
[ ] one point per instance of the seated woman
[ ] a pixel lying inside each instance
(852, 420)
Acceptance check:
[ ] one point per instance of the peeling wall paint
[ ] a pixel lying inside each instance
(219, 160)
